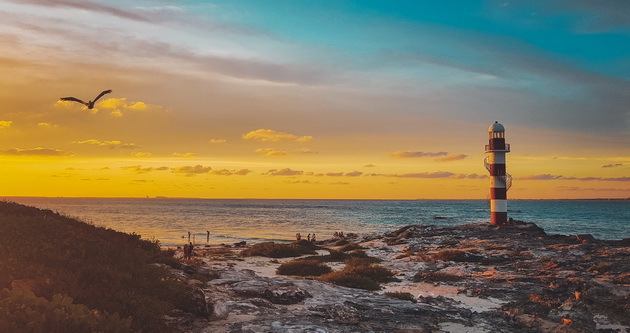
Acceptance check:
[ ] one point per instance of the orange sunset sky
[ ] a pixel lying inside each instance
(313, 99)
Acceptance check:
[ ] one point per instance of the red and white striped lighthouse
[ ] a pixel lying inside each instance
(500, 181)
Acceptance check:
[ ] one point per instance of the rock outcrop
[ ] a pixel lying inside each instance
(474, 278)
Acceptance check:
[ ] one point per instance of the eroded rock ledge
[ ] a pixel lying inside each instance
(468, 278)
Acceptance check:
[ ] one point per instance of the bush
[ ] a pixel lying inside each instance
(361, 261)
(457, 255)
(351, 247)
(341, 242)
(402, 296)
(347, 279)
(104, 270)
(303, 268)
(21, 309)
(373, 272)
(277, 250)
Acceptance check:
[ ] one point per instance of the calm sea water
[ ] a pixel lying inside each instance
(233, 220)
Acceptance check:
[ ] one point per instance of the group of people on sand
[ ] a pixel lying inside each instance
(310, 237)
(188, 251)
(338, 235)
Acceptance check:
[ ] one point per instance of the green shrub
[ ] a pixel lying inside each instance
(347, 279)
(402, 296)
(277, 250)
(361, 261)
(303, 268)
(105, 270)
(373, 272)
(21, 311)
(351, 247)
(457, 255)
(341, 242)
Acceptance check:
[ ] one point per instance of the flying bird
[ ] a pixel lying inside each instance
(89, 104)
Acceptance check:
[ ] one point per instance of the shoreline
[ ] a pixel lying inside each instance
(499, 279)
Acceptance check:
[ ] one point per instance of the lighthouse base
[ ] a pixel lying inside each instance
(498, 218)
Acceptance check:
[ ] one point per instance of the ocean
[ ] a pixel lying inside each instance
(257, 220)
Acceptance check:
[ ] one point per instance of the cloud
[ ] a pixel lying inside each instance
(448, 158)
(88, 6)
(415, 154)
(118, 105)
(140, 169)
(217, 141)
(616, 165)
(284, 172)
(354, 173)
(545, 176)
(431, 175)
(115, 144)
(369, 166)
(226, 172)
(334, 174)
(560, 177)
(46, 125)
(39, 151)
(184, 154)
(242, 172)
(5, 124)
(272, 152)
(340, 183)
(142, 154)
(306, 151)
(267, 135)
(192, 170)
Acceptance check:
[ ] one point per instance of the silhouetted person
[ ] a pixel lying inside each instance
(207, 235)
(89, 104)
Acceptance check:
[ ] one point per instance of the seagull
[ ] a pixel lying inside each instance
(89, 104)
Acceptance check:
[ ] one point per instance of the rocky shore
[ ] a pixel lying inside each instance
(469, 278)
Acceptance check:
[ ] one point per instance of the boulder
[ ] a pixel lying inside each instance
(285, 294)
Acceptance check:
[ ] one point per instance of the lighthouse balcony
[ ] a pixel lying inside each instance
(498, 148)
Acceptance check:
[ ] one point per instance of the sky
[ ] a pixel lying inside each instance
(328, 99)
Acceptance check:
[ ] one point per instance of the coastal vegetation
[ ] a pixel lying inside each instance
(303, 268)
(56, 272)
(280, 250)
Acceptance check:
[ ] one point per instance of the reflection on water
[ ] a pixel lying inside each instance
(230, 221)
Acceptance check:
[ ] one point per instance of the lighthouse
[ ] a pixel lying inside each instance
(500, 181)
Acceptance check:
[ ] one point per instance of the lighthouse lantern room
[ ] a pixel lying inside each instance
(500, 180)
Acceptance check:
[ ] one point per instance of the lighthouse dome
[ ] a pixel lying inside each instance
(496, 127)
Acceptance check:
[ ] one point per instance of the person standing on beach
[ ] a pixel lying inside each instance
(191, 247)
(207, 235)
(185, 251)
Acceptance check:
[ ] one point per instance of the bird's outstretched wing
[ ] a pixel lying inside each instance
(72, 99)
(101, 94)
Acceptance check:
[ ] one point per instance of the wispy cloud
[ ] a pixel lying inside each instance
(449, 158)
(417, 154)
(184, 154)
(615, 165)
(284, 172)
(431, 175)
(267, 135)
(5, 124)
(140, 169)
(39, 151)
(114, 144)
(270, 152)
(191, 170)
(226, 172)
(560, 177)
(217, 141)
